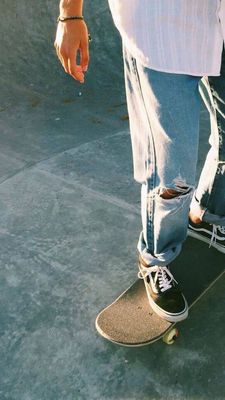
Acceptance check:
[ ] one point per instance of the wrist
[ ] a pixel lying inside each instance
(62, 18)
(71, 7)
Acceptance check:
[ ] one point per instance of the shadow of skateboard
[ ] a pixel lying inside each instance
(130, 321)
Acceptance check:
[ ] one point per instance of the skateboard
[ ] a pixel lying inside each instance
(130, 321)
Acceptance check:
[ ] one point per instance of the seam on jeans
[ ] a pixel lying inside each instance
(217, 113)
(152, 157)
(221, 133)
(211, 196)
(214, 113)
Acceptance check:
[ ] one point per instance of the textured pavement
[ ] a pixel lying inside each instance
(69, 223)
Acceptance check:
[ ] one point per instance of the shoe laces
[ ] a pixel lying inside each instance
(221, 229)
(162, 275)
(215, 229)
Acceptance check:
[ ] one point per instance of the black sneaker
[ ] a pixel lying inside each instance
(163, 292)
(214, 235)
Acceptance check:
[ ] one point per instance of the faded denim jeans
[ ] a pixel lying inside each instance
(164, 113)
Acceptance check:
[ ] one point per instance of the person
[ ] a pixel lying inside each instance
(173, 53)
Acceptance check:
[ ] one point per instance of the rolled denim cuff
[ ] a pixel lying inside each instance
(204, 214)
(161, 260)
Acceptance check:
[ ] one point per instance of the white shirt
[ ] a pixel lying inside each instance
(178, 36)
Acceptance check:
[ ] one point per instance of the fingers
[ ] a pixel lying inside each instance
(84, 56)
(71, 67)
(61, 59)
(69, 62)
(75, 70)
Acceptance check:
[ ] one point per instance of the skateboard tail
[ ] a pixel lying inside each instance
(129, 344)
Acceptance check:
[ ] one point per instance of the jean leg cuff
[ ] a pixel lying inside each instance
(161, 260)
(213, 219)
(204, 214)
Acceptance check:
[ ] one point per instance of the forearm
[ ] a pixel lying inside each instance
(70, 7)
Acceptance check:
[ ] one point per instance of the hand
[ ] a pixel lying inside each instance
(71, 38)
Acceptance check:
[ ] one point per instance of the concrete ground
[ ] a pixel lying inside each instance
(69, 223)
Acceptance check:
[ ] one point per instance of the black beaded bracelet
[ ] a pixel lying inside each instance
(63, 19)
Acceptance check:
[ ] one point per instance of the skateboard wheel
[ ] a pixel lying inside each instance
(171, 336)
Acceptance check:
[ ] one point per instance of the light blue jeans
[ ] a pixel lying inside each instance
(164, 113)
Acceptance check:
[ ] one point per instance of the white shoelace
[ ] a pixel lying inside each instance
(214, 236)
(162, 274)
(221, 229)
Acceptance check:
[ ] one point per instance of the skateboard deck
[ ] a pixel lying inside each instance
(130, 321)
